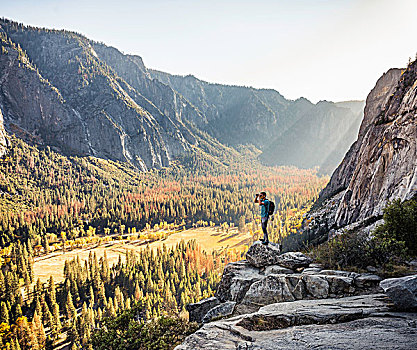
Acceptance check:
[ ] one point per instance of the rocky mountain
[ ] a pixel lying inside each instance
(288, 132)
(55, 89)
(381, 165)
(286, 301)
(63, 90)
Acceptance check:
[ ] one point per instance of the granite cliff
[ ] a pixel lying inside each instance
(380, 166)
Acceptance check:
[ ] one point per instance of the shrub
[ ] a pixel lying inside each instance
(390, 243)
(345, 250)
(400, 224)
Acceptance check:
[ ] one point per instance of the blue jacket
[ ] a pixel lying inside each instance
(265, 208)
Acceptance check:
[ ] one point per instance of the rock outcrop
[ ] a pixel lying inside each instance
(380, 166)
(256, 308)
(359, 322)
(259, 281)
(261, 255)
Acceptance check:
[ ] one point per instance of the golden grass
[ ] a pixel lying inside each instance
(208, 238)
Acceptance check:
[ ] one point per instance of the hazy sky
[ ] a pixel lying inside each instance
(319, 49)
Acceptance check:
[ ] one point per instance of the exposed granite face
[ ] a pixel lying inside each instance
(163, 97)
(34, 110)
(4, 141)
(386, 161)
(375, 101)
(382, 163)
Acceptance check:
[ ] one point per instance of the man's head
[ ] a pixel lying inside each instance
(262, 195)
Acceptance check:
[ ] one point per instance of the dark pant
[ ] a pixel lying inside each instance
(264, 222)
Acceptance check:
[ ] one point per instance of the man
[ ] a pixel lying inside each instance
(264, 204)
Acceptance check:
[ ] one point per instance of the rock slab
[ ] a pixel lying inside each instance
(222, 310)
(359, 322)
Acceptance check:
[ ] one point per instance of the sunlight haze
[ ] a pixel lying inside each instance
(333, 50)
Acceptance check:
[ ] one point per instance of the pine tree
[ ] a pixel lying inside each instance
(4, 313)
(38, 330)
(55, 315)
(14, 344)
(24, 334)
(91, 297)
(69, 307)
(51, 290)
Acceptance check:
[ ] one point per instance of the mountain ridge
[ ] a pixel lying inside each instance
(263, 117)
(141, 117)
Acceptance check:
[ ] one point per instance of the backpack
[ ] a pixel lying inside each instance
(271, 208)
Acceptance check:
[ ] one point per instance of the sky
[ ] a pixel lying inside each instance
(319, 49)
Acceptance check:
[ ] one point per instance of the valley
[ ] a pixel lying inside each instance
(127, 200)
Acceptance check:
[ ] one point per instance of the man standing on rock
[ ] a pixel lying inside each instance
(264, 204)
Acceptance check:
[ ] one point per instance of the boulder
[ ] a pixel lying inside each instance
(271, 289)
(236, 279)
(261, 255)
(198, 310)
(402, 291)
(222, 310)
(340, 285)
(293, 260)
(317, 286)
